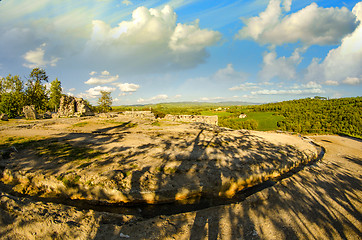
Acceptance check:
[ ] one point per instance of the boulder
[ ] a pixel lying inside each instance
(47, 115)
(67, 106)
(30, 112)
(212, 120)
(4, 117)
(107, 115)
(71, 106)
(83, 108)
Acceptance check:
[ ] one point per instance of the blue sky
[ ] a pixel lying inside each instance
(149, 51)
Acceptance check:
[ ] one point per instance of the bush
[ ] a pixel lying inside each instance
(158, 113)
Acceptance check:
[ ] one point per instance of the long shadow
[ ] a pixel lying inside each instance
(120, 127)
(333, 192)
(302, 207)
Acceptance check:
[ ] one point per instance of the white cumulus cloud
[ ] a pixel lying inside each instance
(96, 92)
(342, 64)
(151, 38)
(311, 25)
(103, 78)
(35, 58)
(282, 67)
(296, 89)
(105, 73)
(353, 80)
(288, 91)
(127, 2)
(245, 86)
(128, 87)
(229, 73)
(189, 38)
(157, 98)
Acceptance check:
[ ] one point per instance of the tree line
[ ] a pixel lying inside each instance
(316, 115)
(15, 94)
(319, 115)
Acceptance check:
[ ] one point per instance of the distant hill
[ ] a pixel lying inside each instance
(194, 104)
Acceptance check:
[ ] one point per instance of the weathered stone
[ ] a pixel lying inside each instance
(4, 117)
(67, 106)
(140, 114)
(213, 120)
(55, 115)
(71, 106)
(82, 108)
(30, 112)
(107, 115)
(47, 115)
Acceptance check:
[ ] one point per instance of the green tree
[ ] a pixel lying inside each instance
(36, 92)
(55, 94)
(105, 101)
(11, 95)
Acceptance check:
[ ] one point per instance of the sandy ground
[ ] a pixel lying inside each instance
(125, 160)
(323, 201)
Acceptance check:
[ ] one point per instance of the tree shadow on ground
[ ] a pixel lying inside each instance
(323, 201)
(298, 207)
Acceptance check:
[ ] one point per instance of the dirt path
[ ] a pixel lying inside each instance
(323, 201)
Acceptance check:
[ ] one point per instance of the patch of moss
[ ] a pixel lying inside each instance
(170, 170)
(19, 142)
(133, 165)
(157, 123)
(89, 183)
(69, 181)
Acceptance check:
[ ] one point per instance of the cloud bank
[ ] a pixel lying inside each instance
(151, 38)
(311, 25)
(35, 58)
(342, 64)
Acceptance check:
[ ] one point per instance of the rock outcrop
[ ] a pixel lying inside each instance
(4, 117)
(72, 106)
(140, 114)
(213, 120)
(107, 115)
(30, 112)
(47, 115)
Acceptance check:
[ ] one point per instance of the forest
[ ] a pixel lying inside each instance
(318, 115)
(14, 94)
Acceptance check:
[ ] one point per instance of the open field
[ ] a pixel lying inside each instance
(54, 165)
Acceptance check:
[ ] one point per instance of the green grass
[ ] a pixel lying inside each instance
(157, 123)
(20, 142)
(267, 121)
(69, 181)
(126, 124)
